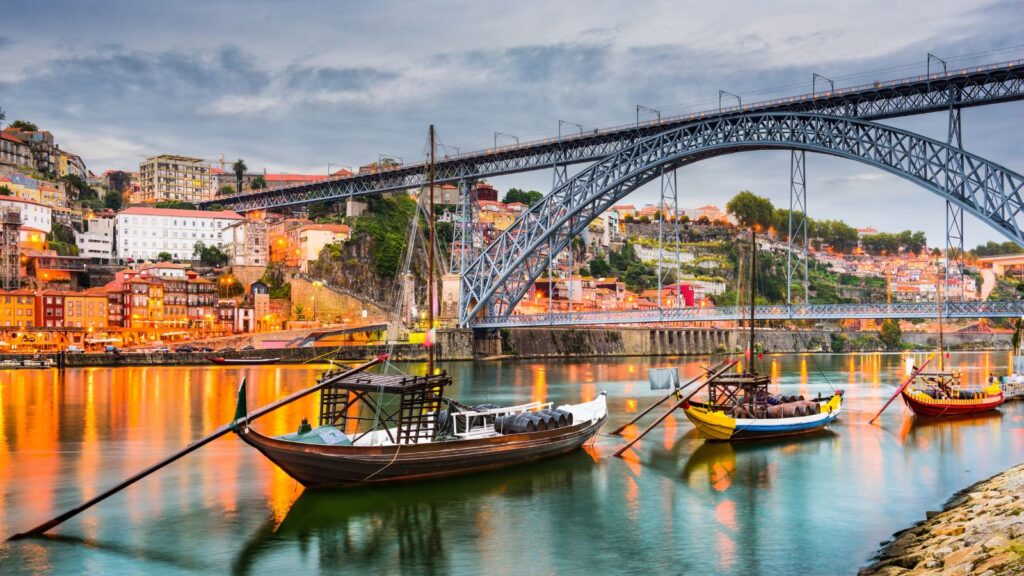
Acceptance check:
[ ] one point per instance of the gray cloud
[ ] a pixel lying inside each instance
(305, 86)
(5, 42)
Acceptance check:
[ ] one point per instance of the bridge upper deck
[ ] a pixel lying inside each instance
(967, 87)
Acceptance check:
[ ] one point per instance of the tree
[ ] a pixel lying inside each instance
(258, 183)
(645, 219)
(5, 191)
(239, 168)
(628, 218)
(175, 204)
(226, 190)
(300, 312)
(600, 268)
(991, 248)
(516, 195)
(164, 257)
(3, 115)
(24, 126)
(890, 334)
(113, 199)
(751, 210)
(209, 255)
(119, 180)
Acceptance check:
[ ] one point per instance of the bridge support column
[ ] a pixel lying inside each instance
(797, 222)
(954, 213)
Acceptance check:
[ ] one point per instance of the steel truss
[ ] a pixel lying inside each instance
(506, 268)
(976, 86)
(779, 312)
(670, 200)
(797, 223)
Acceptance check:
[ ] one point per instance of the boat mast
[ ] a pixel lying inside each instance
(430, 261)
(939, 282)
(753, 268)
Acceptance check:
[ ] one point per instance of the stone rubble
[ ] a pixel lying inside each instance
(979, 533)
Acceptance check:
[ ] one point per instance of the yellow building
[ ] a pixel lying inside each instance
(86, 309)
(17, 308)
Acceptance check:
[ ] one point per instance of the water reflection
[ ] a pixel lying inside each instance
(676, 503)
(411, 525)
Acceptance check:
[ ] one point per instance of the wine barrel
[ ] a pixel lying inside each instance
(539, 422)
(566, 414)
(555, 420)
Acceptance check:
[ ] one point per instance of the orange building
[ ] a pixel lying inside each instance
(17, 309)
(86, 309)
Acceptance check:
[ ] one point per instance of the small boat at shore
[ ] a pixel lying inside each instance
(410, 431)
(242, 361)
(940, 394)
(739, 406)
(28, 363)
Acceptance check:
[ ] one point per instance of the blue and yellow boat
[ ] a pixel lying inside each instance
(758, 421)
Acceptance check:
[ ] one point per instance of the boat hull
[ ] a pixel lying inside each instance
(320, 466)
(243, 361)
(924, 405)
(716, 425)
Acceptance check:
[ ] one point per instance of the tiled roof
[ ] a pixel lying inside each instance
(144, 211)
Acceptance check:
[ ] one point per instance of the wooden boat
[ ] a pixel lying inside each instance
(940, 394)
(412, 432)
(28, 363)
(241, 361)
(739, 406)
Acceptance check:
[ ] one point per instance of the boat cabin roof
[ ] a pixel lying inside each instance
(390, 383)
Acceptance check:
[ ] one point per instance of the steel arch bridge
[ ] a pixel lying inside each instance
(498, 278)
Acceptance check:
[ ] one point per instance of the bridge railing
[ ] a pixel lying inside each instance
(907, 310)
(693, 116)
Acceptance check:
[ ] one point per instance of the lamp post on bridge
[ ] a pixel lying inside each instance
(814, 80)
(496, 134)
(721, 93)
(640, 107)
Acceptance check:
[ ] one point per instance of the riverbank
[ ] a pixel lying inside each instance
(980, 531)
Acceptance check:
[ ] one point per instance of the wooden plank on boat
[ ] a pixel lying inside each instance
(241, 418)
(900, 389)
(618, 431)
(677, 405)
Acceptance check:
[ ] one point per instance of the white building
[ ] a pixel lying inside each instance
(97, 241)
(143, 233)
(35, 217)
(668, 256)
(245, 242)
(313, 238)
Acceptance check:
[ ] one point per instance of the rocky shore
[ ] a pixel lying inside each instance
(980, 532)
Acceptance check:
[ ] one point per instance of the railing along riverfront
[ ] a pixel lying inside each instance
(906, 310)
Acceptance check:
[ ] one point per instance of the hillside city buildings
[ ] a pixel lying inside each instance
(178, 178)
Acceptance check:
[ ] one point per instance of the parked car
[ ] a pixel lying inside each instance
(74, 350)
(204, 349)
(161, 350)
(111, 349)
(186, 348)
(249, 347)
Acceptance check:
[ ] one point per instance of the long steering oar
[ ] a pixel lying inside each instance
(619, 430)
(710, 379)
(241, 418)
(900, 389)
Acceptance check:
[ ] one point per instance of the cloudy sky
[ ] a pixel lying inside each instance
(293, 86)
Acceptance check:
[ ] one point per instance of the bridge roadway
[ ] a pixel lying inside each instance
(903, 310)
(967, 87)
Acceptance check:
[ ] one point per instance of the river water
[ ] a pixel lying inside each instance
(817, 505)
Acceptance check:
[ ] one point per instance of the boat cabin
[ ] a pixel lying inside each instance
(403, 409)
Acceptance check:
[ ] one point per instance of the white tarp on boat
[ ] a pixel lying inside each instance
(663, 378)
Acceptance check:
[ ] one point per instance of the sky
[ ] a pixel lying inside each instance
(294, 86)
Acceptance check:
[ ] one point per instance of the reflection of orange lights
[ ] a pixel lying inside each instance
(726, 549)
(725, 513)
(670, 432)
(721, 475)
(631, 406)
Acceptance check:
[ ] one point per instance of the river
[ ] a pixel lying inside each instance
(817, 505)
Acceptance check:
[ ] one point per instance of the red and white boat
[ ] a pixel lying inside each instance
(940, 394)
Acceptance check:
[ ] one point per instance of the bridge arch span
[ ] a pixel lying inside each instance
(499, 277)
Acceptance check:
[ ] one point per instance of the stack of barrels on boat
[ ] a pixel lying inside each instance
(777, 407)
(532, 421)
